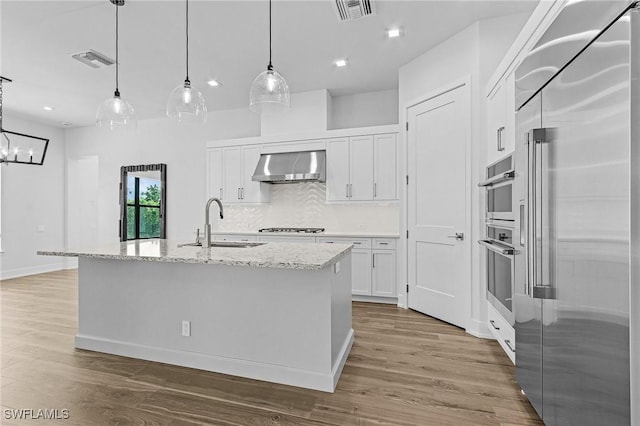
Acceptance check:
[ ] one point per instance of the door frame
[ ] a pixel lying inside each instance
(403, 248)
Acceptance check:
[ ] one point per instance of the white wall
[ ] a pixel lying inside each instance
(365, 109)
(473, 53)
(32, 196)
(94, 158)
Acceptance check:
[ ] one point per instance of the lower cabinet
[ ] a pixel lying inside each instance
(373, 265)
(383, 273)
(285, 239)
(234, 237)
(361, 272)
(502, 331)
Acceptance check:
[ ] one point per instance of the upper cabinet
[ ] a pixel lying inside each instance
(385, 167)
(230, 170)
(362, 168)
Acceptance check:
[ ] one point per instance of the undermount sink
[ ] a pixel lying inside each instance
(237, 244)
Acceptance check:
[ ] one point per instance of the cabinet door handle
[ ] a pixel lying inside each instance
(508, 343)
(375, 190)
(242, 192)
(373, 261)
(239, 194)
(347, 191)
(384, 244)
(500, 146)
(221, 193)
(350, 190)
(493, 324)
(357, 242)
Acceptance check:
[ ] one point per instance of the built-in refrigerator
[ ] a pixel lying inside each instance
(578, 187)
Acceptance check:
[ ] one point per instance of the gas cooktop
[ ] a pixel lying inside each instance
(301, 230)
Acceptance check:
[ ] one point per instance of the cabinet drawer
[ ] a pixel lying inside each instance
(385, 243)
(286, 239)
(234, 237)
(358, 243)
(502, 331)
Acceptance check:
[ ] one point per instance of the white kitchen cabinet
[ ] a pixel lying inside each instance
(215, 173)
(373, 265)
(502, 331)
(501, 119)
(232, 160)
(361, 272)
(385, 167)
(252, 192)
(383, 273)
(238, 164)
(338, 169)
(234, 237)
(286, 239)
(361, 168)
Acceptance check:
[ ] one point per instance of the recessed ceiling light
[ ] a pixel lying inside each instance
(394, 32)
(341, 63)
(213, 83)
(48, 108)
(66, 123)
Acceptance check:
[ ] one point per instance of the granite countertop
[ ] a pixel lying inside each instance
(268, 255)
(336, 234)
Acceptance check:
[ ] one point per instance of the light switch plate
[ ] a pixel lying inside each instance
(336, 267)
(41, 228)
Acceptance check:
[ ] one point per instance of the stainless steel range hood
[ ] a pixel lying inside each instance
(289, 167)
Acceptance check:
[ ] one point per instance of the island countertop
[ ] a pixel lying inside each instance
(268, 255)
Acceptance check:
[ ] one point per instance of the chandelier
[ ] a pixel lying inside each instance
(20, 148)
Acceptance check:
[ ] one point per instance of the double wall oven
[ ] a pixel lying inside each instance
(500, 235)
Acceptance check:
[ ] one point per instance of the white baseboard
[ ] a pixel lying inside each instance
(479, 329)
(32, 270)
(237, 367)
(375, 299)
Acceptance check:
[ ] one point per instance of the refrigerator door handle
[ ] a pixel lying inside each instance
(535, 244)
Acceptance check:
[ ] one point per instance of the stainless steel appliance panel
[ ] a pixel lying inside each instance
(576, 25)
(528, 310)
(582, 236)
(500, 266)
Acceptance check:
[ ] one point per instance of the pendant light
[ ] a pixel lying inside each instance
(116, 111)
(185, 103)
(269, 91)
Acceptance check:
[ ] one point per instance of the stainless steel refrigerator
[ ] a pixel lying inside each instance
(577, 186)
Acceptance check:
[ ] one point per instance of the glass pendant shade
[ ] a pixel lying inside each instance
(116, 112)
(269, 93)
(187, 105)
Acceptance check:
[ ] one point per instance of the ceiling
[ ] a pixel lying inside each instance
(228, 42)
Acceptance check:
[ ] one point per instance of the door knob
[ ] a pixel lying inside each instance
(459, 236)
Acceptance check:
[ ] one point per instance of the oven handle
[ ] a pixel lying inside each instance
(505, 251)
(498, 178)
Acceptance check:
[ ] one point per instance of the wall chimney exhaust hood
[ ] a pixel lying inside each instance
(289, 167)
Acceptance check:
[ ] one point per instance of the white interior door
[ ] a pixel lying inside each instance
(437, 207)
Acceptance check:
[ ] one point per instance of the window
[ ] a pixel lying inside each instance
(143, 207)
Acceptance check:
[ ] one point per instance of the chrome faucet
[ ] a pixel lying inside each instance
(207, 224)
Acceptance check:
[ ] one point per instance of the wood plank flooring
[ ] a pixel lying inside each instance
(404, 369)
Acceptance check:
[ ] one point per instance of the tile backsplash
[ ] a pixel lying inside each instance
(303, 205)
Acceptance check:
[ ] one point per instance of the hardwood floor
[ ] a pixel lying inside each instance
(404, 369)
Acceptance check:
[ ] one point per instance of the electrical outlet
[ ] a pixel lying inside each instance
(41, 228)
(186, 328)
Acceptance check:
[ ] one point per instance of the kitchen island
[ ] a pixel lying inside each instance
(279, 312)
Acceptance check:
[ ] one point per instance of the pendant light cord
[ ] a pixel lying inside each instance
(270, 67)
(187, 27)
(117, 92)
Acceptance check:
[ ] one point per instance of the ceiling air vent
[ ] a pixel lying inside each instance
(93, 59)
(354, 9)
